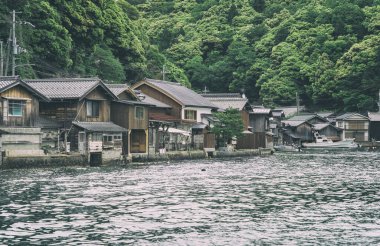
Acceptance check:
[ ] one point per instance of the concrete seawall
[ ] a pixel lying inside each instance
(80, 160)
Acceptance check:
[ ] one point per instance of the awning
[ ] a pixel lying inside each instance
(99, 126)
(177, 131)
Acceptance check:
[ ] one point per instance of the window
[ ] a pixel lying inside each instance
(190, 114)
(16, 107)
(139, 113)
(93, 108)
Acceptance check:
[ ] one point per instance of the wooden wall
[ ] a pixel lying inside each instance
(176, 108)
(124, 115)
(258, 122)
(245, 119)
(31, 109)
(251, 141)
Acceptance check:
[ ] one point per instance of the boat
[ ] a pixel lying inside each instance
(287, 148)
(322, 142)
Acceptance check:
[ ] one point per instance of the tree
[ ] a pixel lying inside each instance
(229, 125)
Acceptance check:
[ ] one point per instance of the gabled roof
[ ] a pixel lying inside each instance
(179, 93)
(117, 89)
(278, 113)
(99, 126)
(227, 100)
(306, 117)
(294, 123)
(150, 100)
(325, 114)
(7, 82)
(321, 126)
(68, 88)
(374, 116)
(348, 115)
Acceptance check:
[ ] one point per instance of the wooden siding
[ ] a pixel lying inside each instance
(258, 122)
(331, 133)
(64, 111)
(104, 111)
(305, 132)
(251, 141)
(124, 115)
(245, 118)
(176, 107)
(30, 112)
(209, 140)
(375, 130)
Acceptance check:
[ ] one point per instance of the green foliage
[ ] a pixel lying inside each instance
(229, 125)
(326, 51)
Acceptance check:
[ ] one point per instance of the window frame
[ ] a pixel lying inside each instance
(91, 109)
(139, 115)
(194, 114)
(12, 103)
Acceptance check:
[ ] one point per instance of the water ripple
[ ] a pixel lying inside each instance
(285, 199)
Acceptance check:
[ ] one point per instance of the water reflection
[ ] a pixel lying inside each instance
(303, 198)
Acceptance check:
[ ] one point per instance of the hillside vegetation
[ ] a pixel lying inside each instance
(327, 51)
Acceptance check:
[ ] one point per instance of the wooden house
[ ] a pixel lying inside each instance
(82, 106)
(231, 100)
(296, 132)
(327, 129)
(187, 107)
(374, 126)
(131, 113)
(19, 114)
(259, 119)
(354, 125)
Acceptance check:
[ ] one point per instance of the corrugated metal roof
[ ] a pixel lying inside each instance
(374, 116)
(99, 126)
(66, 88)
(180, 93)
(260, 111)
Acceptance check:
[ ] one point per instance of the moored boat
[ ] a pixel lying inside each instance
(322, 141)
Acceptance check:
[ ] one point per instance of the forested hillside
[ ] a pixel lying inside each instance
(327, 51)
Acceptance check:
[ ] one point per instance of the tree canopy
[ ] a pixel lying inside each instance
(326, 51)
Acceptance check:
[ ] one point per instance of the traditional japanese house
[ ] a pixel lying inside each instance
(19, 104)
(301, 128)
(231, 100)
(327, 129)
(187, 107)
(354, 125)
(82, 106)
(131, 113)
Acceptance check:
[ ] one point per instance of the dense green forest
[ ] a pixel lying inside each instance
(327, 51)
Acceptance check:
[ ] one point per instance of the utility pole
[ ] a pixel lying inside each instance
(164, 71)
(14, 43)
(1, 59)
(298, 103)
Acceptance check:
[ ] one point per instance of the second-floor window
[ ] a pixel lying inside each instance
(190, 114)
(93, 108)
(16, 107)
(139, 113)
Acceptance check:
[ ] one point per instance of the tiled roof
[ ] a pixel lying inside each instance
(7, 82)
(179, 93)
(303, 117)
(290, 110)
(294, 123)
(374, 116)
(99, 126)
(227, 100)
(151, 100)
(66, 88)
(325, 114)
(321, 126)
(117, 89)
(347, 115)
(221, 95)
